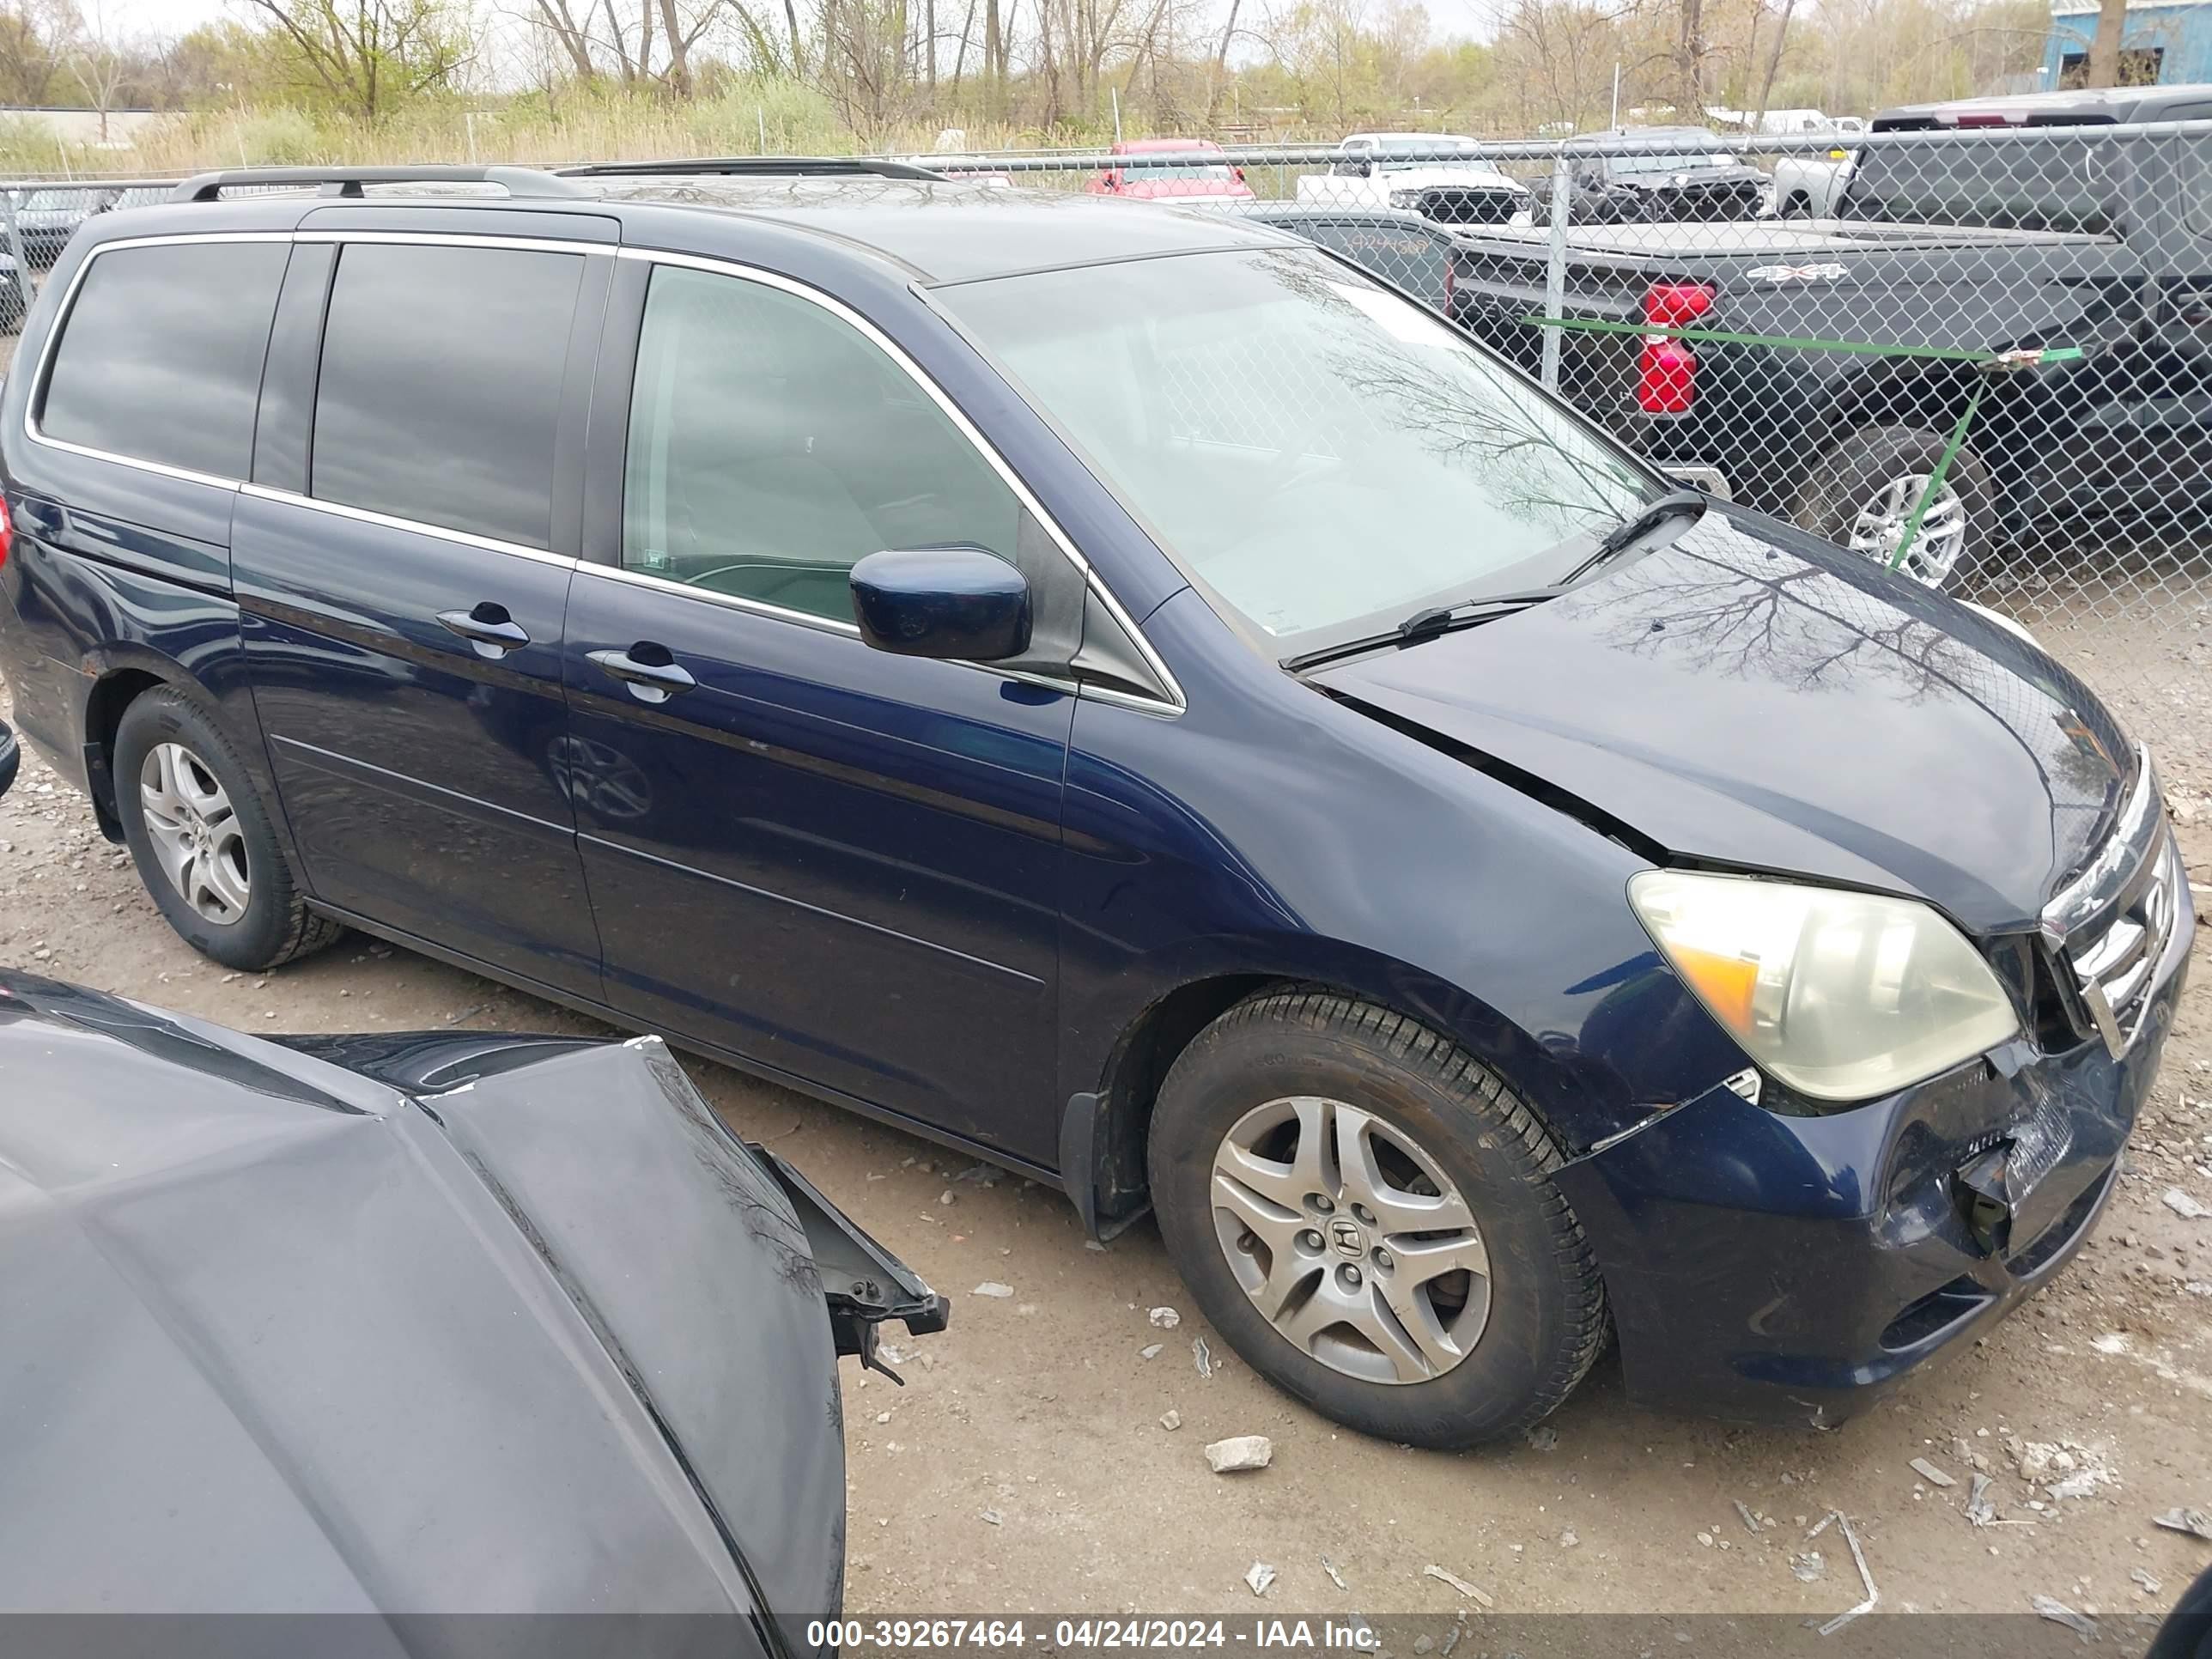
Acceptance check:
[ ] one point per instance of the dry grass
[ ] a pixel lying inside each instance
(765, 117)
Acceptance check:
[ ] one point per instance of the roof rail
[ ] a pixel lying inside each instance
(349, 180)
(760, 166)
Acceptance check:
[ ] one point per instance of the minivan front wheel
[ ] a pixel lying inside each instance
(202, 839)
(1366, 1213)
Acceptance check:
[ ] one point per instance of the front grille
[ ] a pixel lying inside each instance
(2113, 921)
(1453, 205)
(2113, 965)
(1707, 204)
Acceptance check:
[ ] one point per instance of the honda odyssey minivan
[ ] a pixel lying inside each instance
(1124, 695)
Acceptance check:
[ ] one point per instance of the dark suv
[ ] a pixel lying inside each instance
(1120, 692)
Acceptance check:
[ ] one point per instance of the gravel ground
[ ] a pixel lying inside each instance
(1026, 1468)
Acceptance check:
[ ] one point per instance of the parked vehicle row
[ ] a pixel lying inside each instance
(1418, 172)
(1124, 695)
(2068, 241)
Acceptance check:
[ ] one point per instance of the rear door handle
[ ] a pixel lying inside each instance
(490, 632)
(648, 670)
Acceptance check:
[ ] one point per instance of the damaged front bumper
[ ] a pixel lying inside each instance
(1779, 1269)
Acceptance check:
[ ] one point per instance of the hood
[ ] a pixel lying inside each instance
(1747, 698)
(283, 1338)
(1459, 178)
(1690, 178)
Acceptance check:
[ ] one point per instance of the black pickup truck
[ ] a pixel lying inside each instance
(2015, 224)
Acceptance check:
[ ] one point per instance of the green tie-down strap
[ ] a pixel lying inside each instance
(2019, 357)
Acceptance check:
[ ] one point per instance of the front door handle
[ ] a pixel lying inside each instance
(648, 670)
(490, 632)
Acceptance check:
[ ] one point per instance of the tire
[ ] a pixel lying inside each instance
(238, 854)
(1873, 471)
(1542, 1303)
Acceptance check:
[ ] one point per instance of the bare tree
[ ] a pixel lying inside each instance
(97, 66)
(2104, 45)
(366, 55)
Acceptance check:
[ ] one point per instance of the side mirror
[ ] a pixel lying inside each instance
(942, 602)
(10, 757)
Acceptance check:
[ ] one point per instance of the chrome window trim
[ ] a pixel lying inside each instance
(44, 367)
(1144, 705)
(1174, 704)
(415, 526)
(459, 239)
(714, 596)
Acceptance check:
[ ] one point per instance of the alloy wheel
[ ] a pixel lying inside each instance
(1879, 527)
(195, 833)
(1351, 1240)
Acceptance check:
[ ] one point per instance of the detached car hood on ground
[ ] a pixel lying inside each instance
(281, 1338)
(1708, 694)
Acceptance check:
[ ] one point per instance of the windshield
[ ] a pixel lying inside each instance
(1674, 163)
(2050, 182)
(1321, 454)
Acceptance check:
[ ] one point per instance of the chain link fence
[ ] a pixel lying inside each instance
(1980, 356)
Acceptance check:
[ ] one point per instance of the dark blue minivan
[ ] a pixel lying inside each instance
(1124, 694)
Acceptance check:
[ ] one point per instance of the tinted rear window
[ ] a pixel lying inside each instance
(2050, 182)
(159, 357)
(441, 385)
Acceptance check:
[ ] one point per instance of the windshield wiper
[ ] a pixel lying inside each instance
(1675, 504)
(1427, 624)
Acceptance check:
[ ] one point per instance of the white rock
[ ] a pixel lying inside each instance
(992, 1288)
(1165, 1319)
(1928, 1472)
(1152, 1352)
(1479, 1597)
(1258, 1577)
(2184, 1206)
(1240, 1451)
(1171, 1420)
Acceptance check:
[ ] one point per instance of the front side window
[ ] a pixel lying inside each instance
(441, 385)
(160, 356)
(773, 445)
(1321, 453)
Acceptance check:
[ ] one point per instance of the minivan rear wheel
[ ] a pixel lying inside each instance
(203, 841)
(1366, 1213)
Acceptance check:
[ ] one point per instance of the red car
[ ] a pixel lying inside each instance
(1190, 176)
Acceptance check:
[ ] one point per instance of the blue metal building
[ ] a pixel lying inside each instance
(2167, 43)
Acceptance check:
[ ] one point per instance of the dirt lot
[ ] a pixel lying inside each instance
(1026, 1468)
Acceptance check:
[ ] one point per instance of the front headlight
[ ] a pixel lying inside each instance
(1843, 996)
(1405, 198)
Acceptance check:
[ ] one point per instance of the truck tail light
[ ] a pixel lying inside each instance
(7, 533)
(1666, 368)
